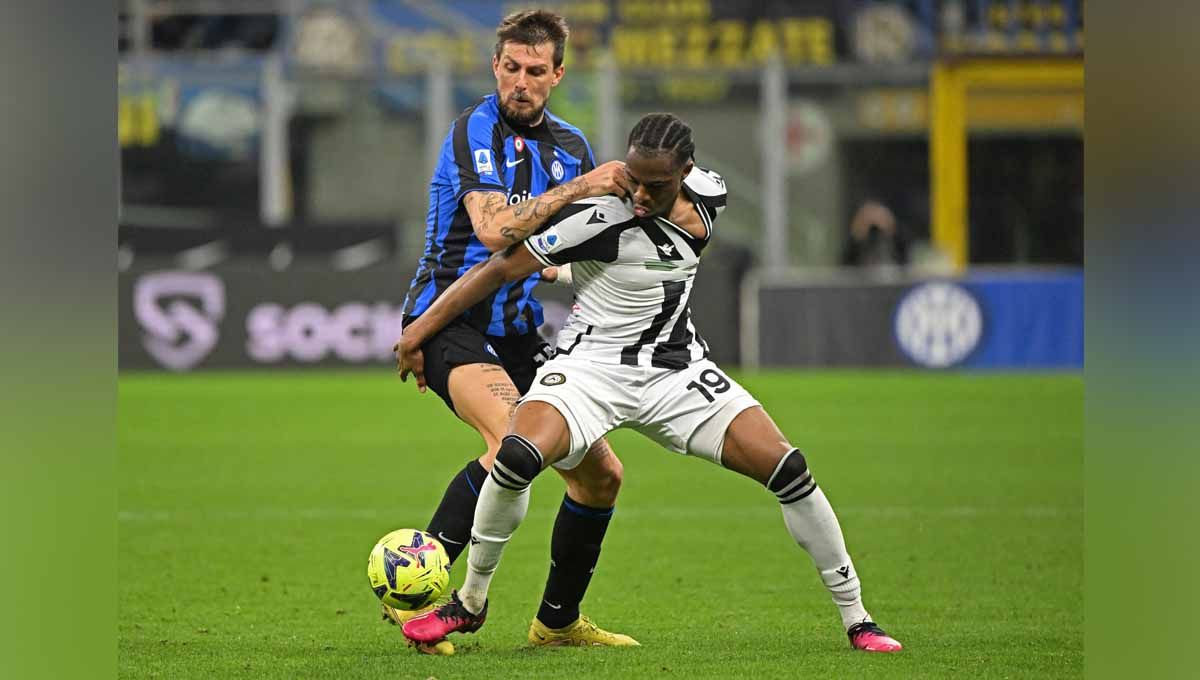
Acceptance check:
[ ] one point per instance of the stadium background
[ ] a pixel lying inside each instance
(275, 159)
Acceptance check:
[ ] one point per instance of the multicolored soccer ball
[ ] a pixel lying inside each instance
(408, 569)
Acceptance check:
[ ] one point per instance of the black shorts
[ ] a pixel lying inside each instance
(459, 343)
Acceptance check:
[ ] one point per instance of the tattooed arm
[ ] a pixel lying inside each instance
(499, 225)
(480, 281)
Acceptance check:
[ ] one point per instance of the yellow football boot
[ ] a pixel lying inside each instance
(582, 633)
(397, 617)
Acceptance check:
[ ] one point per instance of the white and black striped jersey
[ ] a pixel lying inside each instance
(632, 277)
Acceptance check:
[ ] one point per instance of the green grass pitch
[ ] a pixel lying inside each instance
(248, 504)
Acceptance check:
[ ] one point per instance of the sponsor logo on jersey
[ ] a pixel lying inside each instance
(556, 170)
(938, 324)
(487, 347)
(660, 265)
(514, 199)
(483, 162)
(179, 312)
(552, 379)
(667, 248)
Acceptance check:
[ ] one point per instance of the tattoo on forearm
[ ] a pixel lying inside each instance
(492, 204)
(514, 234)
(537, 210)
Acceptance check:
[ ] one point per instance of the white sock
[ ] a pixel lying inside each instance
(497, 514)
(814, 526)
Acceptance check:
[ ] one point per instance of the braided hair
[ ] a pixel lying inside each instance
(659, 133)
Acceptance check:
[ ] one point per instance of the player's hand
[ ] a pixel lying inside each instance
(609, 178)
(410, 359)
(560, 275)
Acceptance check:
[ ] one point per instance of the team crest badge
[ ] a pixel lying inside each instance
(552, 379)
(556, 170)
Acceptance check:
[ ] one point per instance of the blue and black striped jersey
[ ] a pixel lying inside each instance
(483, 152)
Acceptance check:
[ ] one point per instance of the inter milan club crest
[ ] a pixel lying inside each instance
(556, 170)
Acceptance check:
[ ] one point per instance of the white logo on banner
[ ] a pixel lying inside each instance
(179, 312)
(309, 332)
(938, 324)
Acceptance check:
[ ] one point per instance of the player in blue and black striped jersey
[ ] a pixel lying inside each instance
(506, 166)
(487, 152)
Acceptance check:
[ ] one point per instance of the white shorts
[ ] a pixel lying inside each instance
(685, 411)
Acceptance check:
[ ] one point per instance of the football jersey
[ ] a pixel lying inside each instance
(483, 152)
(632, 277)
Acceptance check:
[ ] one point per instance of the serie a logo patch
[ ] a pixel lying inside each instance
(552, 379)
(483, 162)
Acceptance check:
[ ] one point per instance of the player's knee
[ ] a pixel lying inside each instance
(615, 475)
(517, 462)
(603, 487)
(792, 480)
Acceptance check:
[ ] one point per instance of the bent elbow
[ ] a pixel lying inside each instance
(501, 268)
(494, 243)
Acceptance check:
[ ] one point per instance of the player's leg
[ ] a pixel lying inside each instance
(467, 376)
(539, 437)
(754, 446)
(579, 529)
(580, 526)
(572, 406)
(483, 397)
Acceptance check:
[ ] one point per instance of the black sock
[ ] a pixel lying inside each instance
(574, 550)
(451, 523)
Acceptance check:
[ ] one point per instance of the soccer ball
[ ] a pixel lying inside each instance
(408, 569)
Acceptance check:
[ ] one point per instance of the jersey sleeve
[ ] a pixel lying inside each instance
(584, 230)
(477, 154)
(709, 188)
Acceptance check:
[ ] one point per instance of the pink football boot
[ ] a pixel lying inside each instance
(870, 638)
(451, 617)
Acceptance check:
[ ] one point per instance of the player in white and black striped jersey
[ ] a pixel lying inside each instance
(629, 356)
(633, 276)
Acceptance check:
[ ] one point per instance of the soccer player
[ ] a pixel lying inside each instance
(629, 356)
(506, 165)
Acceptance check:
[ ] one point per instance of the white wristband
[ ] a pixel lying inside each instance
(564, 275)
